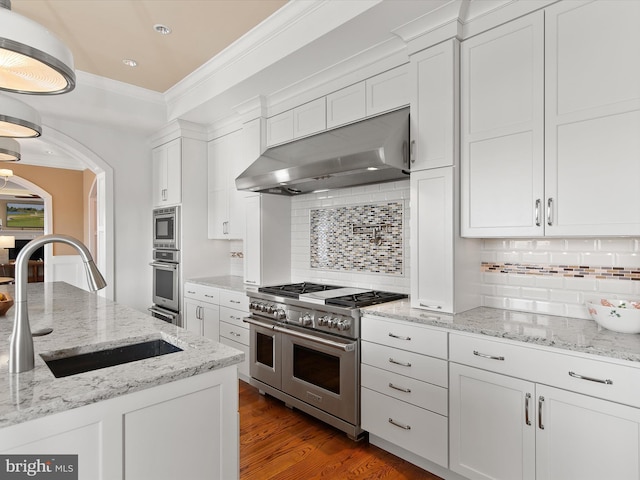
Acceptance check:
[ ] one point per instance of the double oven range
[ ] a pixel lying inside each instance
(305, 348)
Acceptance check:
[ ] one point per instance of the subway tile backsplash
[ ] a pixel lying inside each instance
(556, 276)
(325, 249)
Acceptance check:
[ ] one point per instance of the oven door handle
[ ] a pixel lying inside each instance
(257, 323)
(164, 266)
(347, 347)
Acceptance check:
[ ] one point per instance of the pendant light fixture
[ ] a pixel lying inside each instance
(9, 150)
(32, 59)
(17, 119)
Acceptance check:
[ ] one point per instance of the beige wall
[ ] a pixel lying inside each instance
(67, 189)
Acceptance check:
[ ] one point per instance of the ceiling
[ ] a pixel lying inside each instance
(200, 29)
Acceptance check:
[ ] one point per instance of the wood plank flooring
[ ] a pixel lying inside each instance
(283, 444)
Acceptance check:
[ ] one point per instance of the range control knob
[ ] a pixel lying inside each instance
(279, 314)
(261, 306)
(269, 309)
(324, 320)
(333, 322)
(306, 320)
(344, 324)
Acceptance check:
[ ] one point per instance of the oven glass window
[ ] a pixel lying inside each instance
(164, 283)
(264, 349)
(318, 368)
(164, 228)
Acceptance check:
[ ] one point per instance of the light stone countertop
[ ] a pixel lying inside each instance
(574, 334)
(228, 282)
(82, 321)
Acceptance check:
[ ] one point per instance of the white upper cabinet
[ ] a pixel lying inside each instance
(502, 143)
(592, 117)
(167, 173)
(434, 106)
(309, 118)
(225, 204)
(280, 128)
(387, 91)
(572, 168)
(346, 105)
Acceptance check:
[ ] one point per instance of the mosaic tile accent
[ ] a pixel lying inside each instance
(579, 271)
(360, 238)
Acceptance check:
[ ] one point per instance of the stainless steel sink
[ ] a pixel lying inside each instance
(86, 362)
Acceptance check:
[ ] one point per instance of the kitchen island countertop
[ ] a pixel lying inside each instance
(82, 322)
(228, 282)
(573, 334)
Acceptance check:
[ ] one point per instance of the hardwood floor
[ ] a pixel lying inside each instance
(279, 443)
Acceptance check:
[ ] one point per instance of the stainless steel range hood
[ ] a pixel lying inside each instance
(370, 151)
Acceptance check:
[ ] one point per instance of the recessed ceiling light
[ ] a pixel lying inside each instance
(129, 62)
(162, 29)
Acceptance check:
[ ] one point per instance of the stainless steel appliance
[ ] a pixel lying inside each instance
(166, 280)
(305, 348)
(166, 228)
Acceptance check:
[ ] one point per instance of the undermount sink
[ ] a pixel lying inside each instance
(86, 362)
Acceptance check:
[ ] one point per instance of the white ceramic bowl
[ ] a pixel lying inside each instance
(621, 316)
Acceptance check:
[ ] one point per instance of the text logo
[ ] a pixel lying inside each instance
(39, 467)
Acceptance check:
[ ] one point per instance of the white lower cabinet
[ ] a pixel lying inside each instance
(404, 387)
(234, 306)
(201, 310)
(504, 426)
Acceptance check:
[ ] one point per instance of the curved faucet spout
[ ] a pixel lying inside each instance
(21, 357)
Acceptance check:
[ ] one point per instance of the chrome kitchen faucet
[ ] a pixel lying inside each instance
(21, 357)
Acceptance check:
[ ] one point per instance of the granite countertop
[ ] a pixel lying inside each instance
(82, 322)
(574, 334)
(228, 282)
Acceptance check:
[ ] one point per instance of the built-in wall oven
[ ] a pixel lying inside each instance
(166, 265)
(305, 350)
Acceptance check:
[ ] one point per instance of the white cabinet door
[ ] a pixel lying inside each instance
(586, 438)
(491, 432)
(432, 237)
(280, 128)
(191, 316)
(210, 321)
(502, 102)
(226, 160)
(346, 105)
(167, 173)
(434, 106)
(310, 118)
(387, 91)
(592, 117)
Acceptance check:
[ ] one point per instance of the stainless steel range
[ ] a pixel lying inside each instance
(305, 348)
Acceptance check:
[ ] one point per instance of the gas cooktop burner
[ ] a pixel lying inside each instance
(364, 299)
(294, 290)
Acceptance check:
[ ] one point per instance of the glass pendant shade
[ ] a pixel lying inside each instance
(32, 59)
(9, 150)
(17, 119)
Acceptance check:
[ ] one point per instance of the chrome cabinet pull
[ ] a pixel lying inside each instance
(538, 205)
(527, 398)
(591, 379)
(235, 334)
(190, 292)
(392, 335)
(225, 228)
(403, 364)
(426, 305)
(405, 390)
(412, 151)
(550, 211)
(250, 281)
(540, 403)
(208, 296)
(398, 424)
(234, 301)
(490, 357)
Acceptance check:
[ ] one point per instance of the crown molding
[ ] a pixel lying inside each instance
(178, 129)
(118, 88)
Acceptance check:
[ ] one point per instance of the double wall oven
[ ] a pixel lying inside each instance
(166, 264)
(305, 348)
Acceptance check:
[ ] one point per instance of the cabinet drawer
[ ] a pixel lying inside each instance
(425, 436)
(233, 332)
(204, 293)
(409, 364)
(405, 335)
(610, 381)
(243, 367)
(410, 390)
(233, 299)
(233, 316)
